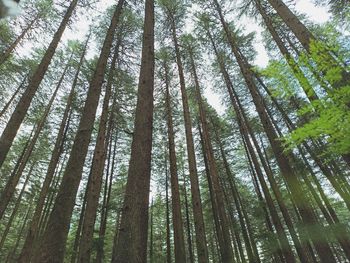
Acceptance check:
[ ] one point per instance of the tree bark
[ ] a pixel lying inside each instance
(21, 109)
(179, 239)
(98, 161)
(202, 250)
(11, 184)
(132, 238)
(52, 247)
(226, 248)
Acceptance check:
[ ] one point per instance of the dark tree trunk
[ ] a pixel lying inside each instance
(179, 239)
(132, 238)
(98, 161)
(202, 250)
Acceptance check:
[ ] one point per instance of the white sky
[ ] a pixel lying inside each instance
(315, 14)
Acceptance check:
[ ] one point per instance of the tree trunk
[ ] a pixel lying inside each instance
(15, 209)
(21, 109)
(6, 54)
(30, 240)
(11, 184)
(188, 222)
(179, 239)
(168, 244)
(98, 161)
(7, 105)
(52, 247)
(106, 202)
(202, 250)
(226, 250)
(132, 238)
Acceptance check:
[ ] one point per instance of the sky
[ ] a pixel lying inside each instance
(315, 14)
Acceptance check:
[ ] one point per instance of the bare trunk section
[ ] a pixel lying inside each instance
(202, 250)
(179, 239)
(132, 237)
(98, 161)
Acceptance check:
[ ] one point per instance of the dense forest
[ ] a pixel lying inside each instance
(174, 131)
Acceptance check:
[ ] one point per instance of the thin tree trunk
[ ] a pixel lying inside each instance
(21, 109)
(188, 222)
(179, 239)
(151, 254)
(6, 54)
(132, 238)
(109, 183)
(202, 250)
(15, 209)
(168, 244)
(226, 250)
(12, 253)
(7, 105)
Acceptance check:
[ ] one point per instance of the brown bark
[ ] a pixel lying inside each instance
(202, 250)
(11, 184)
(226, 250)
(21, 109)
(244, 133)
(52, 247)
(30, 240)
(132, 237)
(97, 168)
(179, 239)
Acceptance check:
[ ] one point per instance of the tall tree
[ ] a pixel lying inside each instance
(52, 245)
(132, 238)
